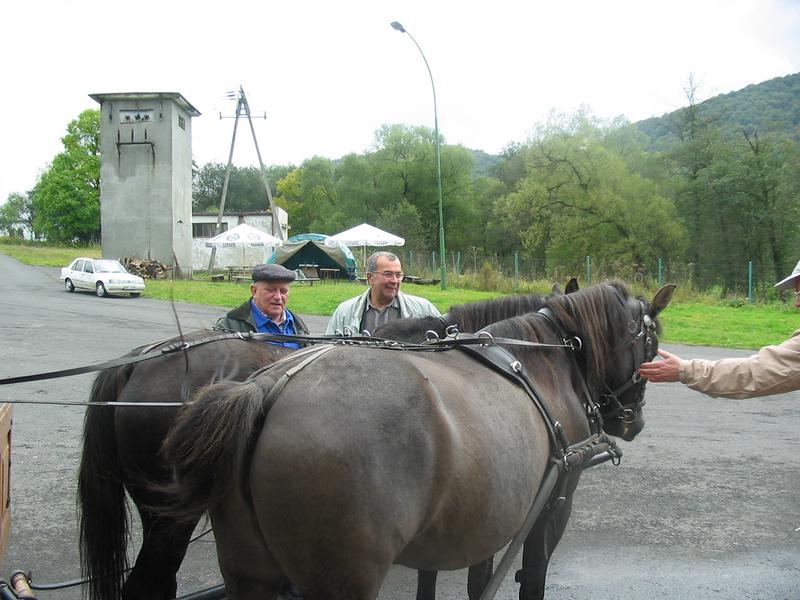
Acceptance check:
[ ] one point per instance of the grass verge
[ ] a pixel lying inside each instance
(690, 319)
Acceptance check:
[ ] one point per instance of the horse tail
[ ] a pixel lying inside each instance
(104, 518)
(210, 444)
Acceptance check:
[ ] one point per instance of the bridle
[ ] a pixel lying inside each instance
(642, 329)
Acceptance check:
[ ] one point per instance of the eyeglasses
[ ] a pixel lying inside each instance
(389, 274)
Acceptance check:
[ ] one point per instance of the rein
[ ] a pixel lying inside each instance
(150, 352)
(146, 354)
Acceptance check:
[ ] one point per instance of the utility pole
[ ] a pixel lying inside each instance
(243, 108)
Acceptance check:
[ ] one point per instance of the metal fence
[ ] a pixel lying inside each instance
(748, 281)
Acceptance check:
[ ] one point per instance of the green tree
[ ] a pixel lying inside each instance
(66, 199)
(246, 190)
(404, 166)
(761, 176)
(17, 214)
(308, 194)
(580, 197)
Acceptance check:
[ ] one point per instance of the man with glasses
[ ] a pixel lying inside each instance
(382, 302)
(773, 370)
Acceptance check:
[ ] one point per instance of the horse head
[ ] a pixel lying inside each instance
(622, 401)
(618, 332)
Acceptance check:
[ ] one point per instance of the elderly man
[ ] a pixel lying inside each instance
(773, 370)
(382, 302)
(265, 311)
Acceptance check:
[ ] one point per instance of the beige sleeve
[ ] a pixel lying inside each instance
(773, 370)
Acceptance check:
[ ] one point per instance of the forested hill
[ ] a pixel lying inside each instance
(483, 162)
(770, 107)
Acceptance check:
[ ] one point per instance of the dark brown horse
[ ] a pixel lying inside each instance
(121, 452)
(121, 445)
(334, 463)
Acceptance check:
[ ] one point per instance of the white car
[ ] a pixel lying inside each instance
(102, 276)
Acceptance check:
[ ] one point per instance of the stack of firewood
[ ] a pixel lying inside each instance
(146, 269)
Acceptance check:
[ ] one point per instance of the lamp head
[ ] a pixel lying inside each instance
(398, 26)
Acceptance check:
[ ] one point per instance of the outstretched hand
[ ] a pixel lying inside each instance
(667, 369)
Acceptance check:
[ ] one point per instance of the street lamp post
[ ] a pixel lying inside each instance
(442, 255)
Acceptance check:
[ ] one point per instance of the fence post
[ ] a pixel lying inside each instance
(588, 270)
(433, 264)
(516, 271)
(410, 266)
(750, 281)
(458, 262)
(660, 272)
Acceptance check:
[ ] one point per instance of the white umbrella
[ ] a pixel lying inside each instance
(243, 235)
(364, 235)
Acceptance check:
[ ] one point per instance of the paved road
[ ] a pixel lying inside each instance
(706, 502)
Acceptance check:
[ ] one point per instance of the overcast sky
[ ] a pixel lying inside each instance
(328, 74)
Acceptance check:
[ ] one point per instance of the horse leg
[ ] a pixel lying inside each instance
(248, 567)
(164, 545)
(426, 585)
(478, 578)
(538, 548)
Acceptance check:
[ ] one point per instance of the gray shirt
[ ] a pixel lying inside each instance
(375, 317)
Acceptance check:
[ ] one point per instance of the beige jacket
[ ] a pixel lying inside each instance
(773, 370)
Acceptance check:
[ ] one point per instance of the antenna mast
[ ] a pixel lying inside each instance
(243, 108)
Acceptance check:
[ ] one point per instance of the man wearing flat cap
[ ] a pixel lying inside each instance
(773, 370)
(265, 311)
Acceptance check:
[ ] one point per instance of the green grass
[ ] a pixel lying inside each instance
(46, 256)
(319, 299)
(690, 319)
(747, 326)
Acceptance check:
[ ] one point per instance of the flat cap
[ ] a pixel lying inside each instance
(272, 273)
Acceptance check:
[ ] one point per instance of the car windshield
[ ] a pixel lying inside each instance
(108, 266)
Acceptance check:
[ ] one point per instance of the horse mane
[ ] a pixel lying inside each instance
(594, 314)
(469, 317)
(476, 315)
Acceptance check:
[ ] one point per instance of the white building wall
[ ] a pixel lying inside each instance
(231, 257)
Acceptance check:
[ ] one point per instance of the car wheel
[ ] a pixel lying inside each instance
(135, 294)
(68, 285)
(101, 290)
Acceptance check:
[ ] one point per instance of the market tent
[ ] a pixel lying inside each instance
(308, 251)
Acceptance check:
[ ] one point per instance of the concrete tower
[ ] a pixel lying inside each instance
(146, 177)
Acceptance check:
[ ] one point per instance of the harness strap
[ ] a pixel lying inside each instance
(277, 387)
(223, 334)
(542, 496)
(592, 407)
(505, 363)
(481, 339)
(118, 362)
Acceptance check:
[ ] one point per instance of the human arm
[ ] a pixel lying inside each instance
(773, 370)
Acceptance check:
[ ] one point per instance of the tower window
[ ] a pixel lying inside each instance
(135, 116)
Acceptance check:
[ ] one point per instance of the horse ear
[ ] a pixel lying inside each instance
(661, 299)
(556, 290)
(572, 285)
